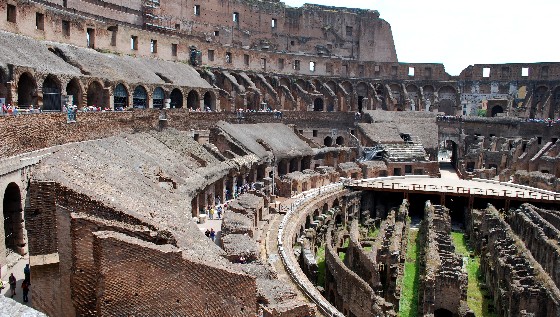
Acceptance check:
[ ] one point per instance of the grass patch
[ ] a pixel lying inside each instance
(368, 248)
(321, 266)
(475, 294)
(342, 256)
(408, 306)
(373, 232)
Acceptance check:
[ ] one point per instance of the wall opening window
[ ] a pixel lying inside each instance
(544, 71)
(428, 72)
(134, 43)
(153, 46)
(273, 23)
(263, 63)
(486, 72)
(39, 21)
(173, 49)
(90, 37)
(311, 66)
(411, 71)
(361, 70)
(197, 9)
(329, 68)
(246, 60)
(349, 31)
(210, 55)
(11, 13)
(236, 18)
(65, 28)
(228, 57)
(297, 64)
(525, 71)
(292, 43)
(216, 33)
(394, 70)
(113, 30)
(280, 63)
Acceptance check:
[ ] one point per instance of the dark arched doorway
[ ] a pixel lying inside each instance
(209, 101)
(328, 141)
(339, 140)
(13, 219)
(51, 94)
(176, 98)
(360, 103)
(73, 89)
(120, 97)
(158, 97)
(140, 98)
(95, 95)
(442, 313)
(193, 101)
(496, 110)
(318, 104)
(27, 91)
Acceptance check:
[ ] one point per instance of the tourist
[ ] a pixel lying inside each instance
(25, 289)
(27, 274)
(219, 212)
(212, 213)
(242, 260)
(12, 282)
(212, 234)
(207, 233)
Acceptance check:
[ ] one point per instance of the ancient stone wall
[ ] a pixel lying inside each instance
(510, 270)
(128, 268)
(443, 283)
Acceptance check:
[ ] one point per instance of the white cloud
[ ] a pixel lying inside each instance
(462, 33)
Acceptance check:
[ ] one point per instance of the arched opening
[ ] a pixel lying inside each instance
(318, 104)
(27, 91)
(447, 107)
(339, 140)
(335, 203)
(193, 100)
(95, 95)
(496, 110)
(325, 208)
(120, 97)
(328, 141)
(140, 98)
(158, 97)
(51, 94)
(360, 103)
(176, 98)
(13, 219)
(442, 313)
(209, 101)
(73, 89)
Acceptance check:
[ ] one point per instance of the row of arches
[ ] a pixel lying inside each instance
(99, 96)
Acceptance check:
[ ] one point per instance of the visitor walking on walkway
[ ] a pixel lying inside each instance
(25, 290)
(27, 274)
(212, 234)
(12, 282)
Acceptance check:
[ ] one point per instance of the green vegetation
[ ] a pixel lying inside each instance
(321, 265)
(342, 256)
(476, 296)
(345, 244)
(373, 232)
(410, 282)
(368, 249)
(481, 112)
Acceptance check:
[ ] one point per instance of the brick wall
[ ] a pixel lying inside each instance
(143, 279)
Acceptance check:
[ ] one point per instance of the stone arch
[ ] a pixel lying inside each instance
(318, 104)
(210, 100)
(193, 100)
(158, 97)
(496, 109)
(176, 97)
(363, 93)
(414, 96)
(447, 100)
(335, 203)
(327, 141)
(74, 89)
(325, 208)
(27, 90)
(120, 96)
(347, 86)
(442, 312)
(340, 140)
(95, 94)
(51, 93)
(13, 219)
(140, 97)
(555, 111)
(284, 82)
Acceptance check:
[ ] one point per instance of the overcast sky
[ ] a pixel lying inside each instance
(462, 33)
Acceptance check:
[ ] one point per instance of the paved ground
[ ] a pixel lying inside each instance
(447, 171)
(17, 269)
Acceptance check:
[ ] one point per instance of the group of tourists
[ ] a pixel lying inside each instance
(210, 233)
(548, 121)
(25, 284)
